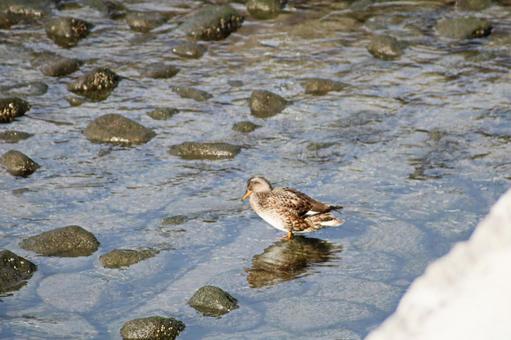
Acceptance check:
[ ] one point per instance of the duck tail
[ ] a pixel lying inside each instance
(324, 220)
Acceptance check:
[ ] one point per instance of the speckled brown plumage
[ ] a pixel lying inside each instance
(287, 209)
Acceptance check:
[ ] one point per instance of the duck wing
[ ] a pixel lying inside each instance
(298, 202)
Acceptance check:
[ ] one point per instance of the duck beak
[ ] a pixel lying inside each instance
(248, 193)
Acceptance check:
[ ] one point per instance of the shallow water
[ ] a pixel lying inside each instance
(416, 150)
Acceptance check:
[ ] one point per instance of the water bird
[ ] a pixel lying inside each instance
(287, 209)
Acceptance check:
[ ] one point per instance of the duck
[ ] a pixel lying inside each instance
(289, 210)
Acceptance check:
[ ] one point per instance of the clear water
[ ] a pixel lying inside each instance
(417, 150)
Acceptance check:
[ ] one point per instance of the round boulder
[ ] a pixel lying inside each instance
(212, 301)
(70, 241)
(212, 22)
(14, 271)
(13, 136)
(12, 107)
(264, 104)
(60, 66)
(117, 129)
(95, 85)
(67, 32)
(125, 257)
(189, 49)
(162, 113)
(385, 47)
(319, 86)
(18, 164)
(160, 71)
(208, 151)
(245, 126)
(192, 93)
(153, 327)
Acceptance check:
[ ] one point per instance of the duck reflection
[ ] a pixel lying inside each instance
(288, 259)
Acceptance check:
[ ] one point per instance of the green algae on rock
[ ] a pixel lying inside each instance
(116, 129)
(207, 151)
(70, 241)
(118, 258)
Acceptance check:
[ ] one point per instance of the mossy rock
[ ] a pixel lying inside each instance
(116, 129)
(118, 258)
(205, 151)
(213, 301)
(153, 327)
(70, 241)
(264, 104)
(12, 107)
(14, 271)
(18, 164)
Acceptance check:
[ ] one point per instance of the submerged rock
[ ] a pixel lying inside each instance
(110, 8)
(213, 301)
(26, 10)
(160, 71)
(13, 136)
(95, 85)
(162, 113)
(67, 32)
(472, 5)
(209, 151)
(7, 20)
(60, 66)
(12, 107)
(14, 271)
(319, 86)
(18, 164)
(265, 9)
(245, 126)
(385, 47)
(117, 129)
(464, 28)
(28, 89)
(125, 257)
(153, 327)
(144, 21)
(212, 22)
(264, 104)
(192, 93)
(70, 241)
(189, 49)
